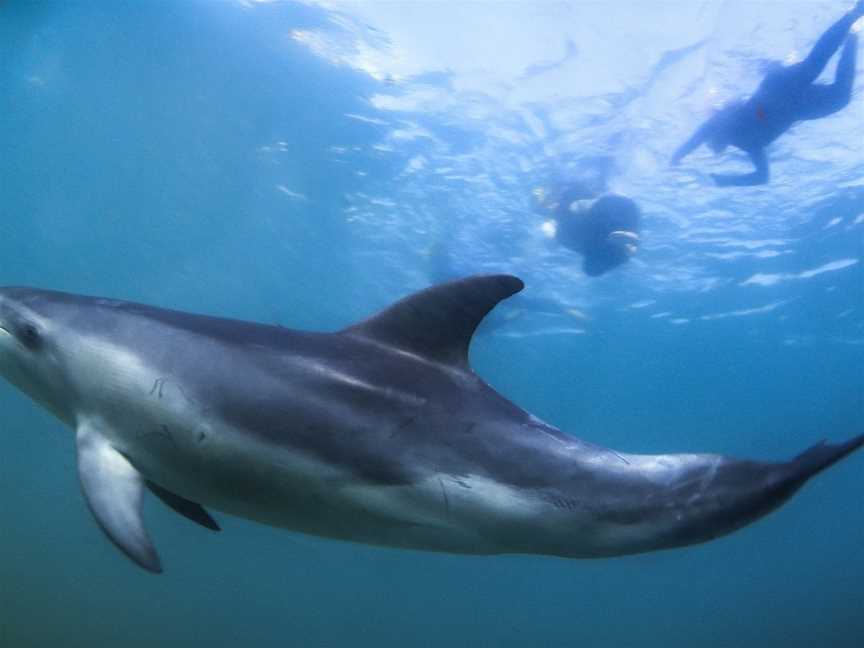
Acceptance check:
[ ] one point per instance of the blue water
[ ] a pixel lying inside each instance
(307, 164)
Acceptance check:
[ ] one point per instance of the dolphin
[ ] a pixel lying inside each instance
(379, 433)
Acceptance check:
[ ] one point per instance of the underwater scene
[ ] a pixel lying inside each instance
(619, 459)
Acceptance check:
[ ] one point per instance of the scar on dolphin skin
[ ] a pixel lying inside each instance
(565, 503)
(156, 389)
(401, 426)
(622, 458)
(444, 494)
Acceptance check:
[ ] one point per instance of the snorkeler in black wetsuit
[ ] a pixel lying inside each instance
(604, 228)
(785, 96)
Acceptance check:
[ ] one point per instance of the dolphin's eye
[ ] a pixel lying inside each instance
(29, 336)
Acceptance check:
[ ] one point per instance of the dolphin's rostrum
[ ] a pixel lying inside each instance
(379, 433)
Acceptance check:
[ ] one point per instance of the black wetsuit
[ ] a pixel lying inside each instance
(587, 231)
(786, 95)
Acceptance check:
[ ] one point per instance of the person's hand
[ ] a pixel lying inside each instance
(627, 241)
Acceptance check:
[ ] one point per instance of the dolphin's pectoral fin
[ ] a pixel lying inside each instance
(114, 492)
(190, 510)
(437, 323)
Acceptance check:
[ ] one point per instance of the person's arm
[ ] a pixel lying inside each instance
(691, 144)
(759, 175)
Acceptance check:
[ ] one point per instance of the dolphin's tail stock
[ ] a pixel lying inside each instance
(821, 456)
(788, 477)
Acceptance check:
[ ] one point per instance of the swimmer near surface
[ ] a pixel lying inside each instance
(379, 433)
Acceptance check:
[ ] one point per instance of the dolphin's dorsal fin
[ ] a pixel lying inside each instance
(437, 323)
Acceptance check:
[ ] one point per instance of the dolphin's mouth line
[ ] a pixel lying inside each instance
(3, 329)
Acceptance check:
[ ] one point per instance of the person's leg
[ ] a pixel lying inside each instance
(811, 67)
(823, 100)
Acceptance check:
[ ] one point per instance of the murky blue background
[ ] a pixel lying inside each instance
(307, 164)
